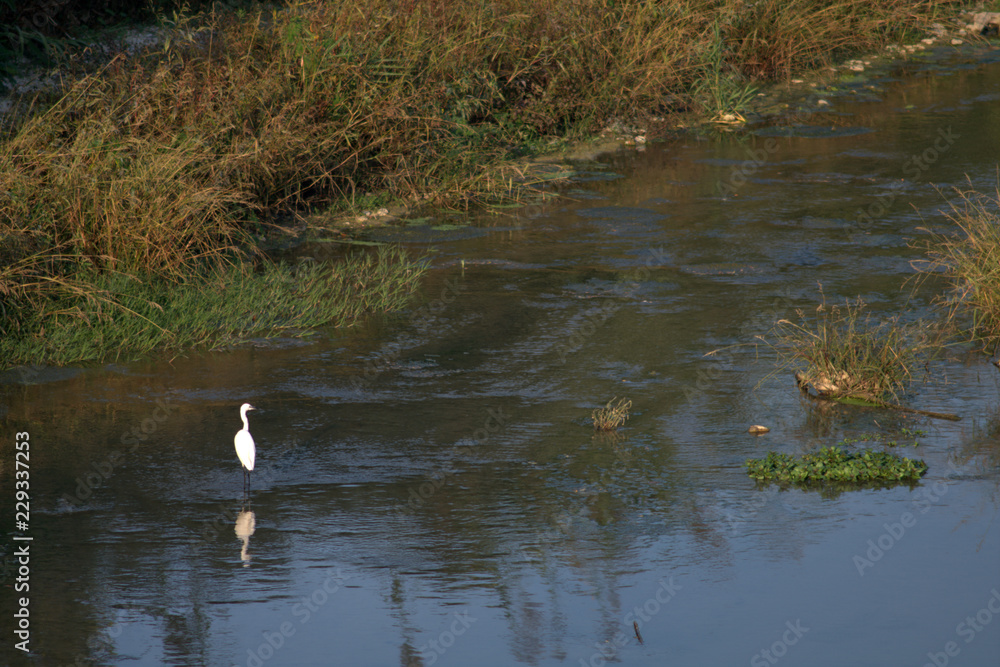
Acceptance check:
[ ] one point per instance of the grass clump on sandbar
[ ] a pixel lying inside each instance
(842, 352)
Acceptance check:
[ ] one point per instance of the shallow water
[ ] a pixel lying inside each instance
(429, 489)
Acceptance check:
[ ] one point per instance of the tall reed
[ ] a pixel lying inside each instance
(968, 260)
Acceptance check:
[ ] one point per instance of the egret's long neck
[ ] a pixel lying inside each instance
(243, 416)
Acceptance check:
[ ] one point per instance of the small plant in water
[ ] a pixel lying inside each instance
(864, 437)
(833, 464)
(886, 441)
(612, 415)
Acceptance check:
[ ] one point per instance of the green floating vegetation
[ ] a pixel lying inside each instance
(123, 318)
(887, 441)
(833, 464)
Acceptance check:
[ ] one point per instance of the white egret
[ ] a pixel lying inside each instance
(245, 447)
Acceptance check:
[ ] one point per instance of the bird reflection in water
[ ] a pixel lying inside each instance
(246, 523)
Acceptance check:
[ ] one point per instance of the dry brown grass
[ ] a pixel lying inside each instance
(159, 164)
(969, 263)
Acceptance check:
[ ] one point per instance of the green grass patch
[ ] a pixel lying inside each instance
(887, 440)
(122, 318)
(833, 464)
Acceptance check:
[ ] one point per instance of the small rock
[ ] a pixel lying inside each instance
(928, 41)
(824, 385)
(757, 429)
(985, 23)
(956, 42)
(641, 139)
(797, 81)
(822, 103)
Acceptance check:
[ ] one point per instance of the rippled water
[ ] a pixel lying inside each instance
(430, 491)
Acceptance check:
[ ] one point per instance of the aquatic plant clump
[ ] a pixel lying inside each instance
(833, 464)
(842, 352)
(612, 415)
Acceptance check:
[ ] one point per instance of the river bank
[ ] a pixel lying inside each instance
(194, 158)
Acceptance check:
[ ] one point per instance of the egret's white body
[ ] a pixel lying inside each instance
(245, 447)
